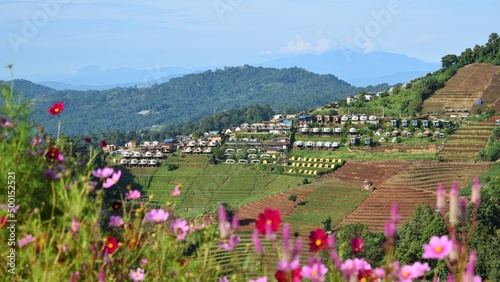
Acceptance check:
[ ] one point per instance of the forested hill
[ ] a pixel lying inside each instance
(185, 99)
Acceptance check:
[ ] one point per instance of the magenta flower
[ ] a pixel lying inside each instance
(26, 240)
(103, 173)
(116, 221)
(315, 270)
(157, 215)
(179, 228)
(133, 195)
(231, 245)
(103, 144)
(113, 180)
(223, 279)
(357, 245)
(137, 275)
(176, 191)
(438, 248)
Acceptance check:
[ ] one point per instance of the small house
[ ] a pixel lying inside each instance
(354, 141)
(414, 122)
(404, 123)
(368, 141)
(352, 130)
(436, 123)
(394, 123)
(326, 130)
(338, 130)
(425, 123)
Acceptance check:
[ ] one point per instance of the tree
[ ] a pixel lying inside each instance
(448, 61)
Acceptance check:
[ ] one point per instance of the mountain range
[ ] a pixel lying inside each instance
(186, 99)
(355, 67)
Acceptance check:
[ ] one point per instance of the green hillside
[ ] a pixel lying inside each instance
(186, 99)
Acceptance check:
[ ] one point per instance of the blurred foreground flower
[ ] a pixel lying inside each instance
(56, 108)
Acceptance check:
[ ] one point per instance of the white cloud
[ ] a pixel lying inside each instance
(299, 45)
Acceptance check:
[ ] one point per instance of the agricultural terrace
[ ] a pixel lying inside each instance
(204, 186)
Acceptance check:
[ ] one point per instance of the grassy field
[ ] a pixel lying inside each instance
(331, 198)
(204, 186)
(494, 171)
(362, 154)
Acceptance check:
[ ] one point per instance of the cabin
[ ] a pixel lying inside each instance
(143, 162)
(123, 161)
(354, 141)
(352, 130)
(436, 123)
(326, 130)
(355, 119)
(315, 130)
(368, 141)
(425, 123)
(134, 162)
(395, 133)
(159, 155)
(344, 119)
(125, 155)
(338, 130)
(394, 123)
(207, 150)
(148, 155)
(415, 122)
(137, 155)
(304, 130)
(404, 123)
(152, 162)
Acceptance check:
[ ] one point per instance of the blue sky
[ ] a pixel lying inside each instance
(61, 36)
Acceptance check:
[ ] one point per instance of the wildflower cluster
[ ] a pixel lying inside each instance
(69, 232)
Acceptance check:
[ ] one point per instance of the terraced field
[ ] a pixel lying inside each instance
(204, 186)
(406, 183)
(462, 90)
(465, 143)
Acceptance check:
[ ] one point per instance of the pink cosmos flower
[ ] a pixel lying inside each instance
(438, 248)
(176, 191)
(26, 240)
(137, 275)
(179, 228)
(353, 266)
(409, 272)
(231, 245)
(116, 221)
(133, 195)
(157, 215)
(103, 173)
(315, 271)
(113, 180)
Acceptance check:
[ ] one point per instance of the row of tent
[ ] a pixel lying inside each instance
(305, 159)
(141, 162)
(126, 154)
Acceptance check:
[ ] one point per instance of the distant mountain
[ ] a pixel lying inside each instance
(186, 99)
(97, 78)
(355, 67)
(358, 68)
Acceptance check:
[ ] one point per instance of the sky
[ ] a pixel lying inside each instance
(52, 37)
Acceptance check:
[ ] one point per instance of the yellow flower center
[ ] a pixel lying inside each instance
(313, 273)
(318, 242)
(110, 245)
(405, 274)
(269, 222)
(438, 249)
(363, 279)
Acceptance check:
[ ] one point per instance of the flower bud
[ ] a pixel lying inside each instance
(441, 197)
(476, 191)
(454, 206)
